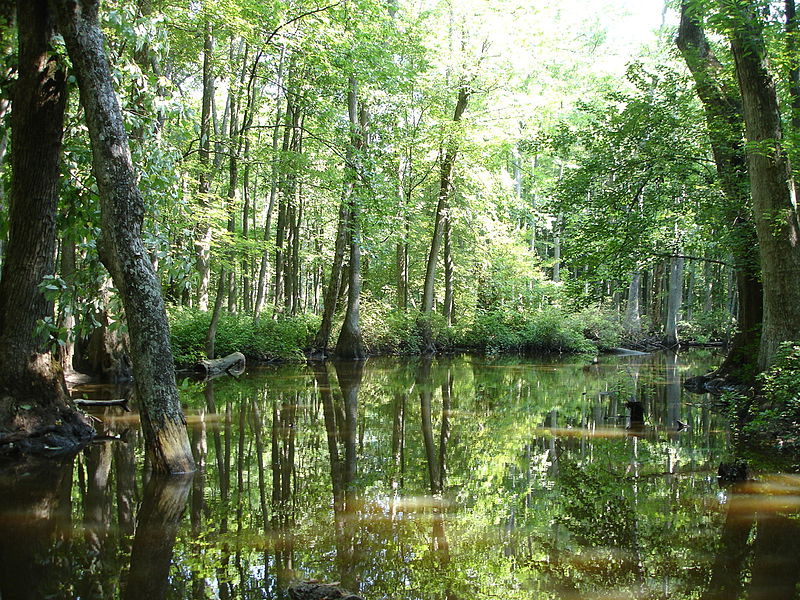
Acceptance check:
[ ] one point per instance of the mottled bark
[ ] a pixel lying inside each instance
(121, 247)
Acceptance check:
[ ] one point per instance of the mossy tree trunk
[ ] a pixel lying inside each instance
(121, 247)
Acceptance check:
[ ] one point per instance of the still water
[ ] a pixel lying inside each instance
(410, 479)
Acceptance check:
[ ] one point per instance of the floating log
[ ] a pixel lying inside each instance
(123, 402)
(233, 365)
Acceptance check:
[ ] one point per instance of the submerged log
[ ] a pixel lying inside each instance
(311, 590)
(233, 365)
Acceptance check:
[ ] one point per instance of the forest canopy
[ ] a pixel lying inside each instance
(360, 177)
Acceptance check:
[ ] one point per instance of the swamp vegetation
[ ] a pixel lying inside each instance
(459, 185)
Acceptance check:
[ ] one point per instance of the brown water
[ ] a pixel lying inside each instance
(461, 478)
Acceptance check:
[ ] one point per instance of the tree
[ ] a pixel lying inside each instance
(774, 210)
(351, 343)
(34, 396)
(440, 217)
(723, 113)
(121, 247)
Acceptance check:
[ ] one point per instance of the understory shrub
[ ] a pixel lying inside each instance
(284, 338)
(387, 330)
(549, 329)
(708, 326)
(774, 417)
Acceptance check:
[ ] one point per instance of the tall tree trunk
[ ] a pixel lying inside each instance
(284, 198)
(632, 323)
(441, 214)
(723, 110)
(203, 244)
(447, 307)
(674, 298)
(273, 190)
(121, 247)
(30, 374)
(774, 210)
(351, 343)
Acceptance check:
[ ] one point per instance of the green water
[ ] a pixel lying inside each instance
(457, 478)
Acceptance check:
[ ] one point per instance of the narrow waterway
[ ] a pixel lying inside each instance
(410, 479)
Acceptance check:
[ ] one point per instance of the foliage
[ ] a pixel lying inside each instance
(272, 339)
(550, 329)
(773, 417)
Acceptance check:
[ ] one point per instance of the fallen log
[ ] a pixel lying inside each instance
(233, 365)
(123, 402)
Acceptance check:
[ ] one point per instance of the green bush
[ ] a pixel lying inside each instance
(272, 339)
(390, 331)
(387, 330)
(707, 326)
(776, 419)
(549, 329)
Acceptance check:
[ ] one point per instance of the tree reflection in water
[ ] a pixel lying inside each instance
(413, 479)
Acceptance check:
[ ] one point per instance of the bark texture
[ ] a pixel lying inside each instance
(121, 247)
(723, 110)
(774, 211)
(33, 394)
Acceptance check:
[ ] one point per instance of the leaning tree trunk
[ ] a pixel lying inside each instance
(122, 250)
(775, 213)
(442, 213)
(32, 389)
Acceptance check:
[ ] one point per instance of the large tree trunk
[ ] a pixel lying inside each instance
(775, 212)
(723, 112)
(122, 250)
(30, 375)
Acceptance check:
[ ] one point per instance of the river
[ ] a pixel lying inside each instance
(408, 479)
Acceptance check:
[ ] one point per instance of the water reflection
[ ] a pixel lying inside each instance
(417, 479)
(156, 528)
